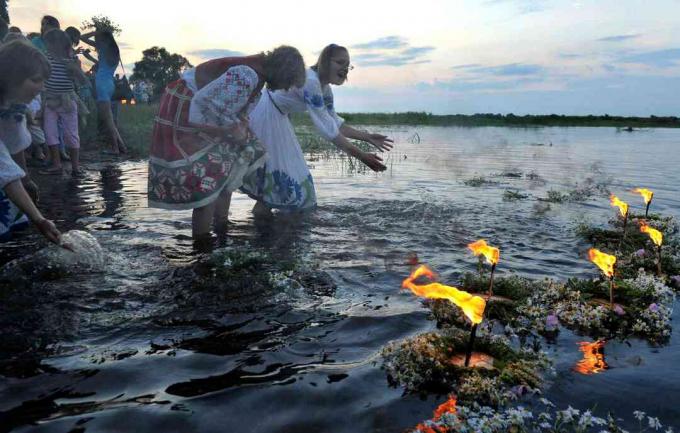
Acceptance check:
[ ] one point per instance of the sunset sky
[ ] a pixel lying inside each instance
(620, 57)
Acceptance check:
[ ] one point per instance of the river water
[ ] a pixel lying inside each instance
(137, 347)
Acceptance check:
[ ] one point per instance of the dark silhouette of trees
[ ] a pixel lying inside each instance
(159, 67)
(4, 14)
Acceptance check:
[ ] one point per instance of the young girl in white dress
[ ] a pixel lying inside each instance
(284, 182)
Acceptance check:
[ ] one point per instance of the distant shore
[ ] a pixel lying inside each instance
(422, 118)
(136, 124)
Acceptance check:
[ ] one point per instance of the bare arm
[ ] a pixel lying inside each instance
(29, 185)
(381, 142)
(17, 194)
(374, 162)
(88, 38)
(88, 56)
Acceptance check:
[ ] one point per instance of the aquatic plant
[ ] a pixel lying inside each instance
(544, 418)
(479, 181)
(430, 362)
(510, 195)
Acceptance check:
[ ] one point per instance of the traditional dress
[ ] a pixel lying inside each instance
(189, 167)
(14, 138)
(285, 182)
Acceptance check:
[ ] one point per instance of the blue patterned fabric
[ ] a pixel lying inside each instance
(11, 218)
(280, 191)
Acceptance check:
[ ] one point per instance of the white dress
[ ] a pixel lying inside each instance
(285, 181)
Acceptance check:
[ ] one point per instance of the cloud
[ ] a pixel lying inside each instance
(467, 66)
(390, 51)
(618, 38)
(661, 58)
(508, 70)
(522, 6)
(211, 53)
(388, 42)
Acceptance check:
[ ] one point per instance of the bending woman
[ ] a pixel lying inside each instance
(285, 182)
(108, 57)
(202, 146)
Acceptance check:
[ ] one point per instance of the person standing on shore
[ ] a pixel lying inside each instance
(285, 182)
(108, 57)
(202, 146)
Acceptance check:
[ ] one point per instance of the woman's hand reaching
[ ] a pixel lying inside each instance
(372, 161)
(381, 142)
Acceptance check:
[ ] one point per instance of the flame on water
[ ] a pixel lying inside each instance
(492, 254)
(449, 406)
(603, 261)
(622, 205)
(645, 193)
(653, 233)
(472, 306)
(593, 358)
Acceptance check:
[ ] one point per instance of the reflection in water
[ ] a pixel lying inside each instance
(593, 361)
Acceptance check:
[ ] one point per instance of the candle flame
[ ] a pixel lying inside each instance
(653, 233)
(646, 194)
(492, 254)
(603, 261)
(472, 306)
(449, 406)
(622, 205)
(593, 358)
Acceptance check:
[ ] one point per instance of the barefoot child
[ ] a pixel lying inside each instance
(60, 103)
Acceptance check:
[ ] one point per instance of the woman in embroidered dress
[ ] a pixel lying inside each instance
(202, 147)
(23, 71)
(285, 182)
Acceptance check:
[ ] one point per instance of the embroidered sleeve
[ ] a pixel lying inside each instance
(323, 120)
(220, 102)
(9, 170)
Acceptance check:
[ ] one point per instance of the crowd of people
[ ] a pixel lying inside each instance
(223, 126)
(44, 99)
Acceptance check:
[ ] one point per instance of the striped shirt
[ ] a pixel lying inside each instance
(60, 80)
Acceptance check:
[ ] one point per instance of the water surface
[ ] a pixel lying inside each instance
(139, 348)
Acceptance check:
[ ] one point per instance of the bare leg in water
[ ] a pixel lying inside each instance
(112, 134)
(261, 210)
(221, 213)
(201, 218)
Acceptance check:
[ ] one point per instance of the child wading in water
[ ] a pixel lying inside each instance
(60, 102)
(23, 70)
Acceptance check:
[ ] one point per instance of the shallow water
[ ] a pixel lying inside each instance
(139, 348)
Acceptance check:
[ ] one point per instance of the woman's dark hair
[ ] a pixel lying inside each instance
(74, 34)
(50, 21)
(323, 64)
(107, 45)
(284, 68)
(58, 44)
(20, 60)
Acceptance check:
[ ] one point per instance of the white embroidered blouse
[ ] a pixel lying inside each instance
(316, 100)
(220, 102)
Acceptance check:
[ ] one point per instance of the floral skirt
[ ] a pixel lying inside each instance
(284, 182)
(188, 168)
